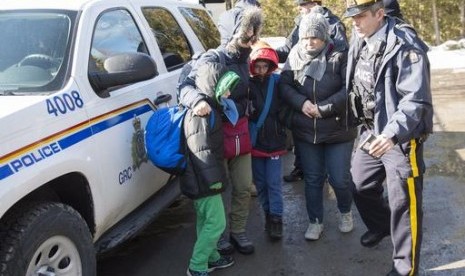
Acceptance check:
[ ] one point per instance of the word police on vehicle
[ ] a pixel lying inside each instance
(76, 97)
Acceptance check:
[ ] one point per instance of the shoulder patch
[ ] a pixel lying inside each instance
(413, 56)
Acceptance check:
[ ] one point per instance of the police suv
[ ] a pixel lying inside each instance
(78, 80)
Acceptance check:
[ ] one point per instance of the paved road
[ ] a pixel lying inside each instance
(165, 247)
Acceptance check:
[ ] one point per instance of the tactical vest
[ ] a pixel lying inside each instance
(364, 78)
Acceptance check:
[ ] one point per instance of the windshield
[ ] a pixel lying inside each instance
(34, 50)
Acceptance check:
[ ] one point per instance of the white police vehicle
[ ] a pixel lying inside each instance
(77, 84)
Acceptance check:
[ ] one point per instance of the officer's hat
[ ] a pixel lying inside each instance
(302, 2)
(355, 7)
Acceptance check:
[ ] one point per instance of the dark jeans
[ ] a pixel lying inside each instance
(297, 162)
(321, 161)
(267, 178)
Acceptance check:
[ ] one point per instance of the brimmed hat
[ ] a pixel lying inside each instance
(355, 7)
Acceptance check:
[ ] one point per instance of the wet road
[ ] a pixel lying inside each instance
(165, 246)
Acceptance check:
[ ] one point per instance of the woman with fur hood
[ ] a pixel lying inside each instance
(236, 55)
(313, 85)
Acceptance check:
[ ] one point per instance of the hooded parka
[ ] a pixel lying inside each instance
(204, 138)
(271, 137)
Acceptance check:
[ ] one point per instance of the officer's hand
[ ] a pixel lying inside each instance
(380, 146)
(202, 108)
(307, 108)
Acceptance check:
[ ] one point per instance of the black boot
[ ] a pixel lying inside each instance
(267, 222)
(276, 227)
(296, 175)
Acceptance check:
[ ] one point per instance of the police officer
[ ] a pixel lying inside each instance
(389, 82)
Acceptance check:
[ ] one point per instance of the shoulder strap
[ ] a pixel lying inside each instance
(269, 96)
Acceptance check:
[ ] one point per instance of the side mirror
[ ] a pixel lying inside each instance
(123, 69)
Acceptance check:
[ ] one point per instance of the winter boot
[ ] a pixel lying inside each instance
(276, 227)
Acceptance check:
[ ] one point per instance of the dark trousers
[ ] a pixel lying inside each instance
(401, 215)
(297, 162)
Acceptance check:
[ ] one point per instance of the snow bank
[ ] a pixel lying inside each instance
(440, 57)
(449, 55)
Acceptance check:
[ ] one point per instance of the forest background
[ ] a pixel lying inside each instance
(436, 21)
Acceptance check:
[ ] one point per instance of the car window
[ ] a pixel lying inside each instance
(115, 33)
(34, 50)
(169, 36)
(203, 26)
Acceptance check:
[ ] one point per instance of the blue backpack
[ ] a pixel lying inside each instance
(165, 141)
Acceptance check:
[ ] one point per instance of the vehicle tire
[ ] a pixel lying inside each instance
(46, 238)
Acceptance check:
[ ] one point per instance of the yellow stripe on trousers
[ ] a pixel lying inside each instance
(413, 201)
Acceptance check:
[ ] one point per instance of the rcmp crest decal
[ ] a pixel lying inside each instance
(139, 153)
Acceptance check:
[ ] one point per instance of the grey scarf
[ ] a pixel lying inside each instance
(307, 64)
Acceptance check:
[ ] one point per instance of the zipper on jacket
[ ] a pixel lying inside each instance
(238, 145)
(314, 118)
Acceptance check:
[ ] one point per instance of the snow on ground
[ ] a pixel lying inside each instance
(446, 59)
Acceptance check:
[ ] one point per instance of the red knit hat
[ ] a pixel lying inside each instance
(263, 51)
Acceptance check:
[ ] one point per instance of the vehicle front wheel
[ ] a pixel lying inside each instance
(46, 239)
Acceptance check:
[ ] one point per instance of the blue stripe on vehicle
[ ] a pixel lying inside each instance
(119, 119)
(81, 135)
(5, 171)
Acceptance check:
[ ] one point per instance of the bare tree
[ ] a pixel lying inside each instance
(436, 24)
(462, 18)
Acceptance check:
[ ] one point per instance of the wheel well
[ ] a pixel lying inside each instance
(71, 189)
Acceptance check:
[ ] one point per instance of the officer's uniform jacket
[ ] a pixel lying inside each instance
(402, 89)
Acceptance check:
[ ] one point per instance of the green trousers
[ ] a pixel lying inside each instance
(211, 222)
